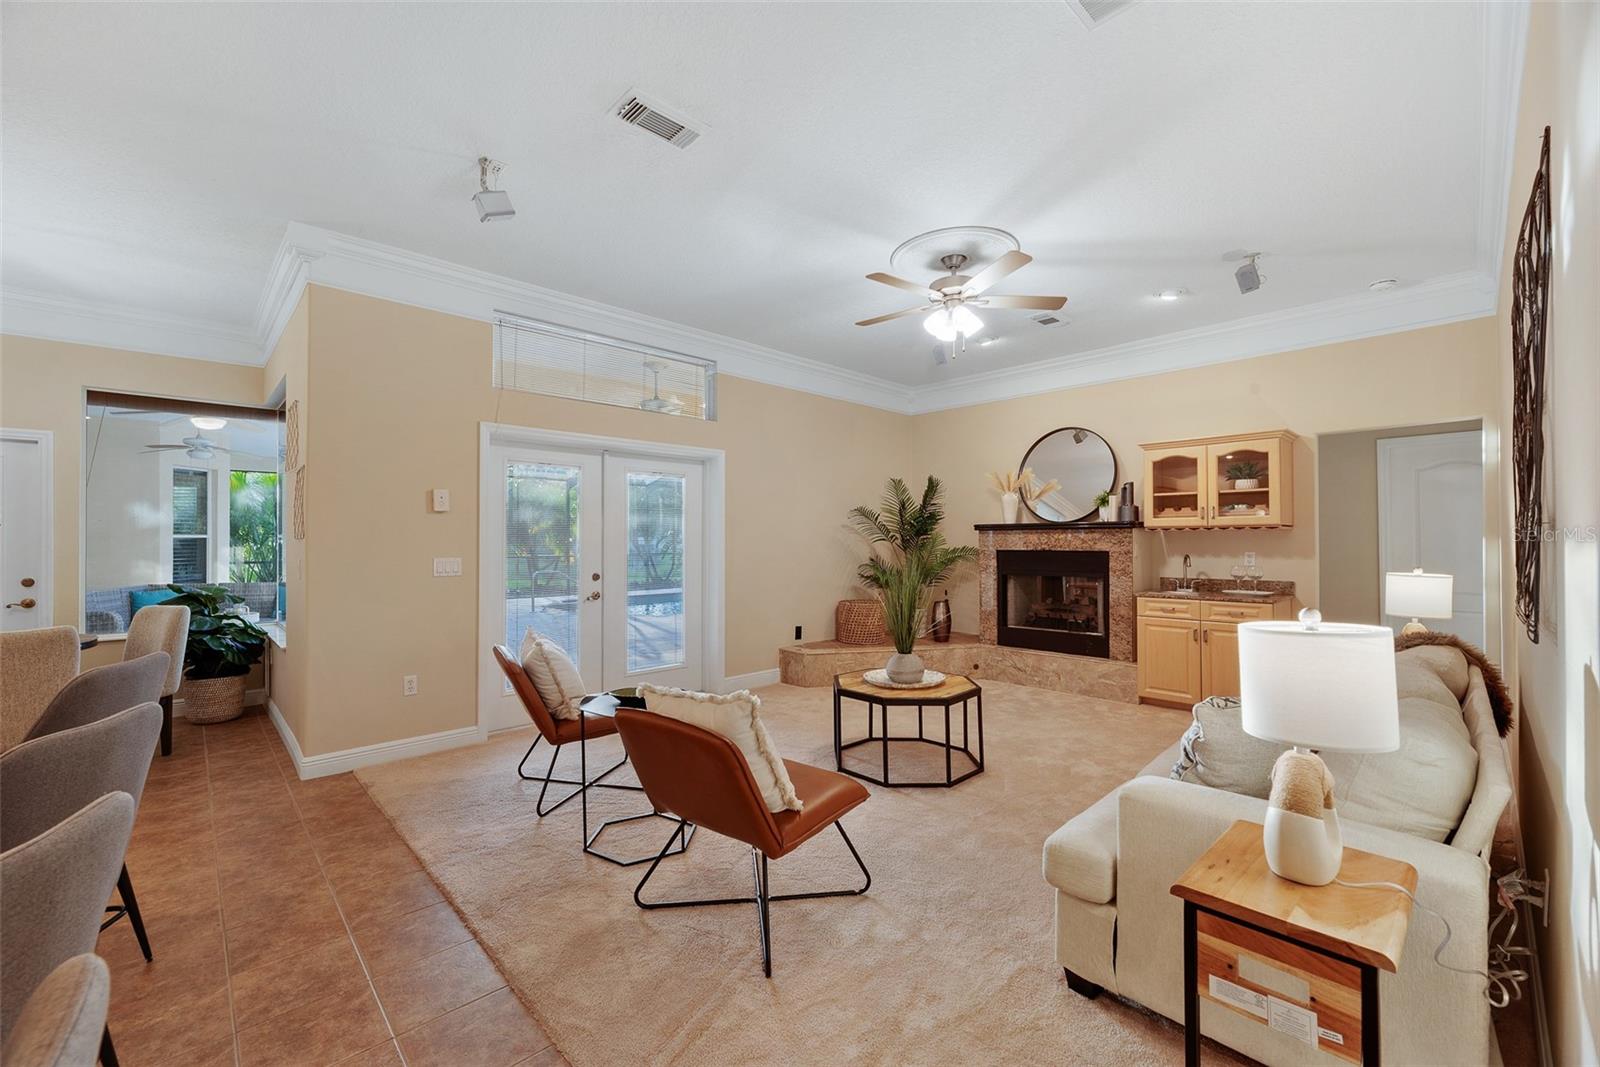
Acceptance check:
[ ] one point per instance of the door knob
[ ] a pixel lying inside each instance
(26, 583)
(593, 596)
(595, 576)
(27, 603)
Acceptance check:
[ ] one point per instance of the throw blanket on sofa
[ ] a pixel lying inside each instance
(1500, 701)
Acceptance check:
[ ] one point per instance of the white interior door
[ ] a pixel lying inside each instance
(653, 588)
(25, 530)
(541, 567)
(1430, 515)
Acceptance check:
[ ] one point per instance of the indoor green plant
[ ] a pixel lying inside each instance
(1245, 474)
(914, 559)
(1102, 501)
(223, 646)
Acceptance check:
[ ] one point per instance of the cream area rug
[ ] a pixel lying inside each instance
(948, 958)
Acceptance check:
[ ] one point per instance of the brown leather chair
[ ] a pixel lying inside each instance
(557, 732)
(702, 778)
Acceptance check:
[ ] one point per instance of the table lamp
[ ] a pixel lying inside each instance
(1420, 595)
(1314, 685)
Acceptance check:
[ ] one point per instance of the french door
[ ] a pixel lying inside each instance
(602, 553)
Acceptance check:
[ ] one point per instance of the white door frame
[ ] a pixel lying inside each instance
(46, 441)
(491, 599)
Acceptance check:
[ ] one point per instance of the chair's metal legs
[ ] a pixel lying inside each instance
(764, 895)
(130, 908)
(108, 1054)
(548, 777)
(583, 784)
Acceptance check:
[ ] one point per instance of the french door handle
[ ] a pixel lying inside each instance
(26, 603)
(593, 596)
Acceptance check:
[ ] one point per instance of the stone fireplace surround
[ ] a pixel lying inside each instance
(1113, 539)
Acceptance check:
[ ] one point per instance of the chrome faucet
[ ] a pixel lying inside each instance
(1186, 583)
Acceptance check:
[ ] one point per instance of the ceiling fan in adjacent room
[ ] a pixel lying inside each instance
(952, 297)
(198, 447)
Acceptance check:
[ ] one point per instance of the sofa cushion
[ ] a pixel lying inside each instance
(1422, 788)
(143, 598)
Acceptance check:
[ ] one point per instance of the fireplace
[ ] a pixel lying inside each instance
(1054, 600)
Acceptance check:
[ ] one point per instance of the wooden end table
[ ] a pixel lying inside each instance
(1301, 959)
(955, 689)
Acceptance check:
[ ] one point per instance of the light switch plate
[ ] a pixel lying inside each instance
(440, 501)
(447, 566)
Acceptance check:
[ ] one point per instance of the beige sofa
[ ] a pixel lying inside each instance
(1118, 927)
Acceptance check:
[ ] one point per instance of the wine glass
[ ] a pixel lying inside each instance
(1238, 575)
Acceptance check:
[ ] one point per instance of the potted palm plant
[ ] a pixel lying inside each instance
(223, 646)
(913, 560)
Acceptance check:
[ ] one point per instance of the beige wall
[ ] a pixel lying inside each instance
(41, 388)
(290, 663)
(419, 382)
(1347, 519)
(1439, 374)
(1558, 740)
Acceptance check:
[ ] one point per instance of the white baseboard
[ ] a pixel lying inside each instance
(367, 755)
(754, 680)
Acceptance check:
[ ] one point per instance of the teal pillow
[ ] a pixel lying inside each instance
(143, 598)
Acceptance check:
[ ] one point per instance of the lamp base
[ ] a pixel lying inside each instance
(1413, 627)
(1302, 837)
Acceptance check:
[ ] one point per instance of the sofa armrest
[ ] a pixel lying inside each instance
(1492, 790)
(1080, 858)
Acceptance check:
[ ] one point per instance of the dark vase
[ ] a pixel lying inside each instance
(941, 620)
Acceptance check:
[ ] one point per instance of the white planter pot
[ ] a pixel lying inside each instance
(1108, 513)
(1247, 483)
(904, 667)
(1009, 503)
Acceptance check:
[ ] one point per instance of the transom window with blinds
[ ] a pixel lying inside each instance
(540, 357)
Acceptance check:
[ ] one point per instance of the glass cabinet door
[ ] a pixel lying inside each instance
(1247, 482)
(1175, 487)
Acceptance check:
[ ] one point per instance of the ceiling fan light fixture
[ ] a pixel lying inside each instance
(949, 323)
(207, 422)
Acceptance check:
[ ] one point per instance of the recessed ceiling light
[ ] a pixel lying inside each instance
(1169, 295)
(987, 341)
(1383, 284)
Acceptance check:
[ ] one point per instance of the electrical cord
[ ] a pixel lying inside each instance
(1504, 983)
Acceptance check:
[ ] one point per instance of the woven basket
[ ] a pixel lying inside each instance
(859, 622)
(213, 699)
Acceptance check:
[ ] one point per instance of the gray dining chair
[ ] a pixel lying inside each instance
(64, 1022)
(53, 890)
(102, 691)
(161, 628)
(47, 779)
(34, 665)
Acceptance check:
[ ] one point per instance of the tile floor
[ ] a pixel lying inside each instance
(291, 925)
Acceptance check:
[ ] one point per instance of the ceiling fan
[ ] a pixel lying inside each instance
(197, 447)
(952, 297)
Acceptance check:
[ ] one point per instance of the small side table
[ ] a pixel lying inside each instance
(1301, 959)
(955, 689)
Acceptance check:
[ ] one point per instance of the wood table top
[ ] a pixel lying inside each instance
(954, 687)
(1368, 925)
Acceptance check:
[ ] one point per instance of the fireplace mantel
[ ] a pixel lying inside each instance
(1114, 539)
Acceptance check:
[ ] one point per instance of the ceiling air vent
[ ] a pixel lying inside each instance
(1050, 318)
(1093, 12)
(656, 120)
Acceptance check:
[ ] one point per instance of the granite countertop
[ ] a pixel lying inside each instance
(1222, 589)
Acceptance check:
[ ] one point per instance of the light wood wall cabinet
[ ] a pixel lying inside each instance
(1218, 482)
(1189, 649)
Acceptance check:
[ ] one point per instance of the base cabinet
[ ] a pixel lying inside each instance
(1188, 650)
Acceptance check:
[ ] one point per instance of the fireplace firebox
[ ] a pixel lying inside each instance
(1057, 601)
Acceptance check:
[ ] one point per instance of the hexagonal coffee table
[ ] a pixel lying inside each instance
(955, 689)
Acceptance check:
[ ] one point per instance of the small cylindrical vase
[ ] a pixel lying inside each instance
(1009, 503)
(941, 620)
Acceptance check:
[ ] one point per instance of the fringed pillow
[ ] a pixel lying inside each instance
(554, 677)
(736, 717)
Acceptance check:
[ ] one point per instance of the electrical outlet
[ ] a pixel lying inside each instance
(410, 689)
(1249, 559)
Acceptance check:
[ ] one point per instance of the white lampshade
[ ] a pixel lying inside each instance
(1418, 595)
(1327, 685)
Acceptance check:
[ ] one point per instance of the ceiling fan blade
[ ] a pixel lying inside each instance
(894, 315)
(901, 283)
(162, 448)
(991, 274)
(1038, 303)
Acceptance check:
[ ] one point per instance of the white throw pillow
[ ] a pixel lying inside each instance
(736, 717)
(554, 677)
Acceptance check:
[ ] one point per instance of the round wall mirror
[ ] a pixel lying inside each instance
(1084, 465)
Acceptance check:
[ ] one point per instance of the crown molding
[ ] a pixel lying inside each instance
(1452, 298)
(1505, 48)
(53, 318)
(354, 264)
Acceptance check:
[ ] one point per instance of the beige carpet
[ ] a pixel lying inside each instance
(948, 959)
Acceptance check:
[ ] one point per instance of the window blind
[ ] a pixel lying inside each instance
(540, 357)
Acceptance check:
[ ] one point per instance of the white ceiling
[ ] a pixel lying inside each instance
(154, 155)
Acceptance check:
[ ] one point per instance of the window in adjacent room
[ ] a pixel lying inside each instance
(179, 491)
